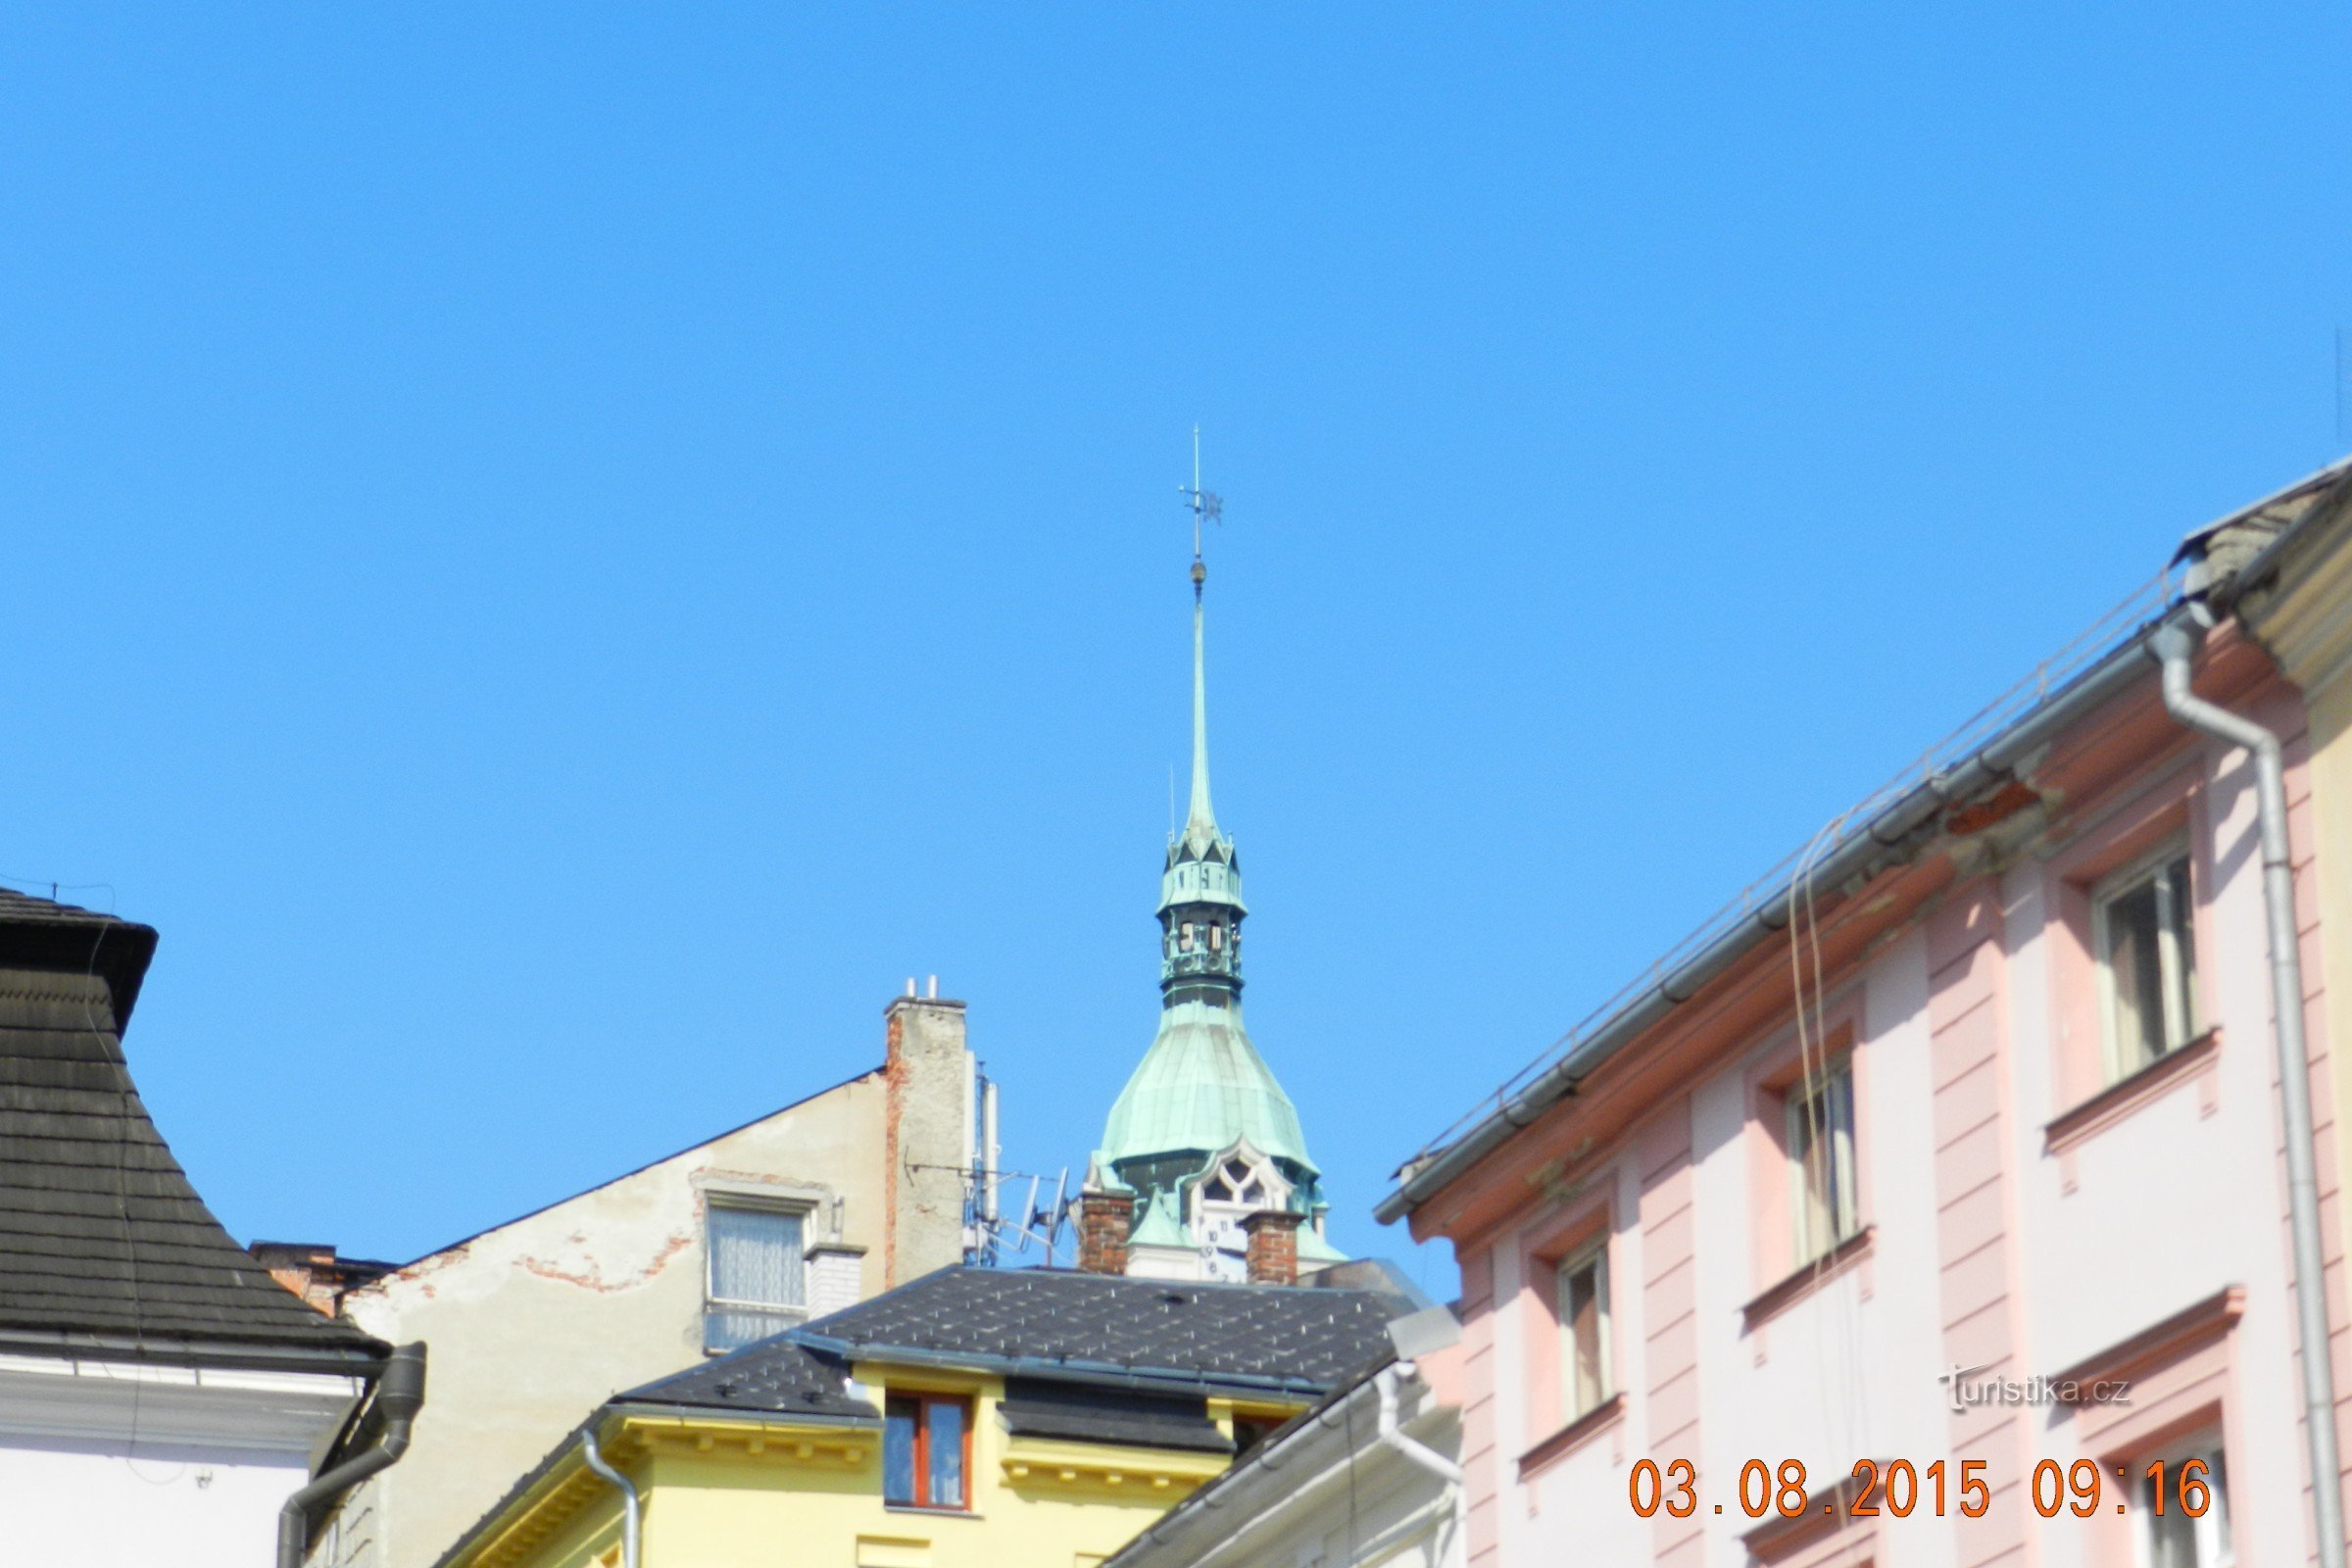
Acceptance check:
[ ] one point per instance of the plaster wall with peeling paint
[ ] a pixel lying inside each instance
(534, 1323)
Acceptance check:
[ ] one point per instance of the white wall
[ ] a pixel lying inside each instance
(104, 1464)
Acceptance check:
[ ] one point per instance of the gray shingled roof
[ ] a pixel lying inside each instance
(100, 1232)
(1301, 1337)
(773, 1377)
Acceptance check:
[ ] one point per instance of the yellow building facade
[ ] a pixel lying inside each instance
(974, 1419)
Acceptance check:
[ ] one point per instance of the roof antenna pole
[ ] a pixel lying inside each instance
(1206, 506)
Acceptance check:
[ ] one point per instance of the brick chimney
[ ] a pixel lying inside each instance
(316, 1272)
(927, 1133)
(1103, 1220)
(1273, 1250)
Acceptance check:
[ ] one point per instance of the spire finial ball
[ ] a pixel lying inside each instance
(1200, 574)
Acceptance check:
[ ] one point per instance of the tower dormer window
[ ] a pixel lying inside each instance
(1216, 939)
(1184, 937)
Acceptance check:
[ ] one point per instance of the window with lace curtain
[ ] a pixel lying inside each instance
(756, 1283)
(2145, 932)
(1820, 1141)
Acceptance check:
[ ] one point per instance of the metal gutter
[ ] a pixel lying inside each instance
(400, 1395)
(631, 1507)
(712, 1412)
(1100, 1373)
(364, 1360)
(1889, 838)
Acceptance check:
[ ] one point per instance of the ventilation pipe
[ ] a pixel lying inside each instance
(400, 1395)
(2172, 645)
(632, 1525)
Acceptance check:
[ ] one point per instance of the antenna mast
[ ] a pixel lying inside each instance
(1206, 506)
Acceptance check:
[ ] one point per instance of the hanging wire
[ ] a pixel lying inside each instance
(2048, 679)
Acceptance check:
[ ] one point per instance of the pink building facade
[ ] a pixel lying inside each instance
(2001, 1206)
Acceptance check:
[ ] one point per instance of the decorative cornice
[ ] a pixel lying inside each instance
(549, 1504)
(2166, 1340)
(1572, 1437)
(1033, 1464)
(2120, 1100)
(1778, 1298)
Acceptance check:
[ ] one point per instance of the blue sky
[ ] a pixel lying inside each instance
(559, 554)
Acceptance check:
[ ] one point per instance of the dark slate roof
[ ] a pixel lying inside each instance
(100, 1232)
(1300, 1336)
(44, 934)
(773, 1377)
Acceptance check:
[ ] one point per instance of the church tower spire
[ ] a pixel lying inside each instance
(1204, 1136)
(1200, 909)
(1201, 821)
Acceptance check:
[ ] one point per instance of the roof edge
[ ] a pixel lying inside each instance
(397, 1269)
(1865, 850)
(1869, 847)
(1097, 1373)
(365, 1359)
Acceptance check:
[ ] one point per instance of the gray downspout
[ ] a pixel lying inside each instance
(400, 1395)
(1449, 1473)
(2172, 646)
(631, 1526)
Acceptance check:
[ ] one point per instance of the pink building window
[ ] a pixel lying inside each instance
(2172, 1536)
(1583, 1294)
(1570, 1317)
(2143, 930)
(1826, 1208)
(2129, 894)
(1808, 1219)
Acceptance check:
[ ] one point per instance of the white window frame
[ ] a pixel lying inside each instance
(2215, 1548)
(1844, 1197)
(2177, 980)
(1594, 1255)
(715, 1305)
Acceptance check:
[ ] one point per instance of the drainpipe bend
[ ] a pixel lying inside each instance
(1419, 1454)
(632, 1519)
(2172, 647)
(401, 1393)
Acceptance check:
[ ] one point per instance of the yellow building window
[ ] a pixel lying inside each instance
(926, 1450)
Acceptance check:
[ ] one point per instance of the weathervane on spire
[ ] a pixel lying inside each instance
(1206, 507)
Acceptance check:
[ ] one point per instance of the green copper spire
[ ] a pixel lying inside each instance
(1200, 906)
(1200, 822)
(1203, 1103)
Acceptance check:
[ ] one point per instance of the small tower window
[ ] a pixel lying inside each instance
(1184, 937)
(1216, 939)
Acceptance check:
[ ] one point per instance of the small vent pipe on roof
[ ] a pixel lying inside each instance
(2172, 646)
(400, 1395)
